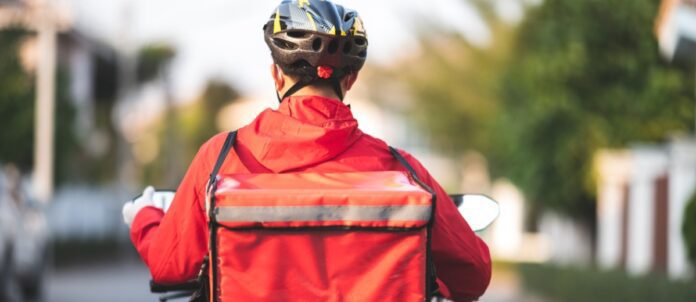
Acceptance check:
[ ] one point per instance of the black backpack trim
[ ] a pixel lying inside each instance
(212, 224)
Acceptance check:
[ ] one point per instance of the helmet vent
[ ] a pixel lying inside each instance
(347, 47)
(363, 54)
(297, 34)
(284, 44)
(347, 17)
(360, 41)
(316, 45)
(333, 47)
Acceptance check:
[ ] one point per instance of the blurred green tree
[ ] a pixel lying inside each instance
(185, 127)
(544, 96)
(586, 75)
(200, 124)
(153, 60)
(689, 229)
(17, 104)
(452, 86)
(195, 124)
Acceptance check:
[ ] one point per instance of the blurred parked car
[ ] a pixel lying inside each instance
(8, 226)
(24, 237)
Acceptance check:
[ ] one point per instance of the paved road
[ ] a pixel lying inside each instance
(128, 282)
(122, 282)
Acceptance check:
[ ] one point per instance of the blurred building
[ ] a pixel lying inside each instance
(510, 241)
(89, 69)
(642, 196)
(674, 177)
(643, 191)
(89, 65)
(676, 29)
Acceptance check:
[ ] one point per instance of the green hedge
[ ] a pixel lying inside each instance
(689, 229)
(582, 285)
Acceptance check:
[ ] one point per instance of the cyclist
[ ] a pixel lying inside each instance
(318, 49)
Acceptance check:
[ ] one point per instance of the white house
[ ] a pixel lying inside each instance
(642, 196)
(676, 29)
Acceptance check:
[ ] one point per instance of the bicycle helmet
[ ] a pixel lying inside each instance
(316, 40)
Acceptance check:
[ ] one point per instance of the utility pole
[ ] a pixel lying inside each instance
(44, 132)
(127, 69)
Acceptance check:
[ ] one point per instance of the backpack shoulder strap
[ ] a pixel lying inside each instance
(229, 144)
(430, 284)
(410, 169)
(212, 225)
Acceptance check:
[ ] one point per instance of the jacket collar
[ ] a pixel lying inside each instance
(305, 130)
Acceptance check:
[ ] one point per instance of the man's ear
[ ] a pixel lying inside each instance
(278, 77)
(349, 80)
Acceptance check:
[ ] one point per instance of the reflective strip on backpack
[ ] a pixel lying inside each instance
(237, 214)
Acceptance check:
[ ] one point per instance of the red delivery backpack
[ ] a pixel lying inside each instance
(359, 236)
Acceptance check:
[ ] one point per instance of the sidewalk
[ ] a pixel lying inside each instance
(506, 286)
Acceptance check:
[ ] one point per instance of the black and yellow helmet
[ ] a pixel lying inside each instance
(316, 40)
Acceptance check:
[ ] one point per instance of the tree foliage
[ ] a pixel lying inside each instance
(585, 76)
(195, 123)
(452, 88)
(198, 120)
(17, 109)
(689, 229)
(16, 102)
(152, 60)
(573, 77)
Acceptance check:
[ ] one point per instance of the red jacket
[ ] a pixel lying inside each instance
(305, 134)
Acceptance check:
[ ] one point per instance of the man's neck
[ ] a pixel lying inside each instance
(317, 91)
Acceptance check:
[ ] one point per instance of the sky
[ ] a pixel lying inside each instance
(223, 38)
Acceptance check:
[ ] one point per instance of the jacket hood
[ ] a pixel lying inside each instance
(305, 130)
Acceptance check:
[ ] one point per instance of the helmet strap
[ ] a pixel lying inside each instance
(295, 88)
(335, 83)
(337, 88)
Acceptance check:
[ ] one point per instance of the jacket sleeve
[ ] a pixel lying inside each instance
(462, 260)
(173, 245)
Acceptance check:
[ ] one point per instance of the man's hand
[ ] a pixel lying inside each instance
(131, 208)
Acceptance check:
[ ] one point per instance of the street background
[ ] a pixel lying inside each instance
(578, 117)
